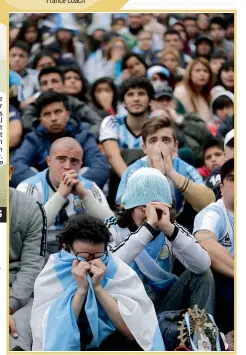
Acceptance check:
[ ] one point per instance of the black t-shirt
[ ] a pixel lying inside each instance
(213, 182)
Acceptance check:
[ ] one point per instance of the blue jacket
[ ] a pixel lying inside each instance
(36, 145)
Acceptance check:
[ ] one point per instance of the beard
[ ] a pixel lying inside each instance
(139, 113)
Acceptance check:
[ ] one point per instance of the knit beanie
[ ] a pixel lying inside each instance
(144, 186)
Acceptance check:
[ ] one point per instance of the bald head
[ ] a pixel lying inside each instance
(67, 143)
(65, 154)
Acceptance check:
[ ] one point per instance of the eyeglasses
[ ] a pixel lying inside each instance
(83, 256)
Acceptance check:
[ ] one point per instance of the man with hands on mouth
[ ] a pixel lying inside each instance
(62, 191)
(160, 146)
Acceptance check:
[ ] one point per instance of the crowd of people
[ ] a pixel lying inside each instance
(121, 142)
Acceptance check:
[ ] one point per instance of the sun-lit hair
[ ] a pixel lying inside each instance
(189, 85)
(171, 51)
(111, 44)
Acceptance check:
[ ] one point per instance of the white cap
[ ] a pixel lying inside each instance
(228, 137)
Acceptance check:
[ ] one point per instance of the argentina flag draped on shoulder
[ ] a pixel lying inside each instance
(53, 322)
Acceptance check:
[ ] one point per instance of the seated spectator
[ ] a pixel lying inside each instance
(146, 237)
(204, 47)
(214, 179)
(172, 39)
(30, 33)
(192, 30)
(214, 157)
(214, 225)
(152, 25)
(18, 62)
(68, 193)
(43, 59)
(55, 122)
(159, 74)
(75, 83)
(97, 296)
(222, 107)
(104, 96)
(217, 59)
(180, 27)
(194, 91)
(226, 76)
(144, 47)
(133, 65)
(170, 58)
(118, 133)
(203, 23)
(165, 100)
(106, 62)
(214, 230)
(52, 79)
(27, 245)
(217, 28)
(160, 146)
(65, 29)
(186, 125)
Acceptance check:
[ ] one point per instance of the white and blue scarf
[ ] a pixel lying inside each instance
(53, 323)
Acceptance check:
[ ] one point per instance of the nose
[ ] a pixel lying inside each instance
(53, 117)
(67, 164)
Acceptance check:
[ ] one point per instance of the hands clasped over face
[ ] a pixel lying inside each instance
(95, 268)
(70, 184)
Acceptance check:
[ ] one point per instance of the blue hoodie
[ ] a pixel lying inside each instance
(36, 145)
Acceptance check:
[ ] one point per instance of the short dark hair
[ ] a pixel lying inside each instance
(230, 144)
(219, 54)
(217, 20)
(128, 56)
(190, 18)
(221, 102)
(40, 55)
(226, 168)
(172, 31)
(47, 98)
(21, 45)
(137, 83)
(84, 228)
(211, 143)
(154, 125)
(49, 70)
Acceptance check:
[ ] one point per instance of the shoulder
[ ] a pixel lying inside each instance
(208, 217)
(111, 122)
(20, 199)
(180, 90)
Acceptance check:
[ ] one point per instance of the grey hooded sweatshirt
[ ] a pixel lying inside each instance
(26, 248)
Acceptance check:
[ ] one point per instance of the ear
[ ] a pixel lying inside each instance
(48, 160)
(144, 148)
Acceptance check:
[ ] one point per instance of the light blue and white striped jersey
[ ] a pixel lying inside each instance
(116, 128)
(40, 187)
(217, 219)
